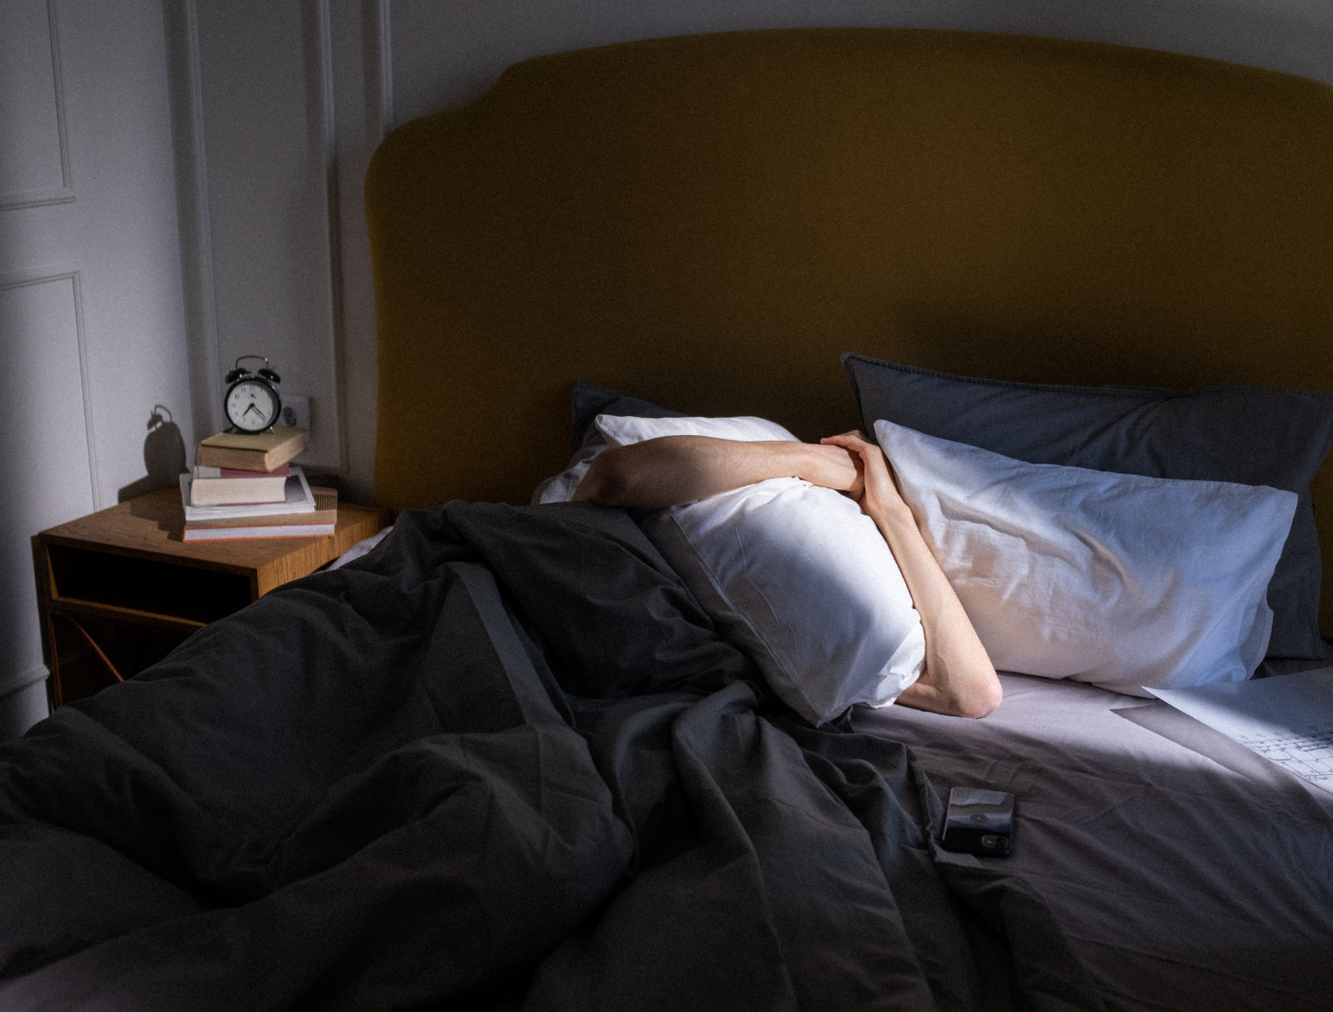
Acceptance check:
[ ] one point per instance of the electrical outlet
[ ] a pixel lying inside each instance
(296, 411)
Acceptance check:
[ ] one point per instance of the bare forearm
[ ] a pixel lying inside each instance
(677, 469)
(958, 677)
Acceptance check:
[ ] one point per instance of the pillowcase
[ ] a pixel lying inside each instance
(587, 403)
(590, 401)
(1248, 435)
(793, 573)
(1118, 580)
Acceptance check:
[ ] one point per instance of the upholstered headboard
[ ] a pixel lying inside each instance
(708, 221)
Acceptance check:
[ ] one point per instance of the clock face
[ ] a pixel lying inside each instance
(251, 405)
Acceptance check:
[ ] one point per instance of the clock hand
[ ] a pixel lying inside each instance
(251, 407)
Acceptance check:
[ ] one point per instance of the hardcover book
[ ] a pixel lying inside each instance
(261, 451)
(298, 499)
(220, 486)
(325, 512)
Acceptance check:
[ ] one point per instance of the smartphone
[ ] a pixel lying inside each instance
(979, 822)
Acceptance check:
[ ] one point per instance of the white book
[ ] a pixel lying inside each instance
(216, 486)
(299, 500)
(259, 531)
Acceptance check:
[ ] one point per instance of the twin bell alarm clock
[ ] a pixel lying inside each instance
(251, 402)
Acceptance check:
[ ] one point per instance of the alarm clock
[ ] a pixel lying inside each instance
(251, 402)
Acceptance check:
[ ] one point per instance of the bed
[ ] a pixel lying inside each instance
(505, 760)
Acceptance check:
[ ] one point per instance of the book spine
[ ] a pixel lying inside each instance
(299, 500)
(225, 456)
(257, 533)
(315, 519)
(250, 458)
(236, 492)
(202, 472)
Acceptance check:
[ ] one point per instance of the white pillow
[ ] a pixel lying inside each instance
(1118, 580)
(561, 487)
(793, 573)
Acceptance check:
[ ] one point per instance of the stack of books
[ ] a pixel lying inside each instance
(244, 486)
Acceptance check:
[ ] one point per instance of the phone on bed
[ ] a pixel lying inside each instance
(978, 822)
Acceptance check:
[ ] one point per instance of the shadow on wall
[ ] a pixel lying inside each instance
(163, 456)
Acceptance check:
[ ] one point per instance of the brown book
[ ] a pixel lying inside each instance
(243, 451)
(325, 512)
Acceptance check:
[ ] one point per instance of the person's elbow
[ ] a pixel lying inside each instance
(973, 690)
(972, 693)
(980, 700)
(610, 481)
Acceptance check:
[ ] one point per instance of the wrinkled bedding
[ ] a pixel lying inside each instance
(503, 761)
(1187, 872)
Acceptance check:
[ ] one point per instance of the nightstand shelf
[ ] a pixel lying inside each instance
(118, 589)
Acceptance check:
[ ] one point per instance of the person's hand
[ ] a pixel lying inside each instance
(877, 493)
(833, 467)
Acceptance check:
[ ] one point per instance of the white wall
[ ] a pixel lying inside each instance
(444, 53)
(123, 286)
(92, 333)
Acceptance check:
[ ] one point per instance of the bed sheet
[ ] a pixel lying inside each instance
(1186, 877)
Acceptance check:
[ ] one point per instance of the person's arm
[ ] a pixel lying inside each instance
(958, 678)
(678, 469)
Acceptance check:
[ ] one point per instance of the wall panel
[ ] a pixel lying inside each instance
(91, 321)
(34, 160)
(45, 454)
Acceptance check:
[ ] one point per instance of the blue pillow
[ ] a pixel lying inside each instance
(1250, 435)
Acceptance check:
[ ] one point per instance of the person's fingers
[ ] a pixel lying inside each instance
(846, 439)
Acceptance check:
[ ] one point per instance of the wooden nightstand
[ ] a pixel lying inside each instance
(119, 589)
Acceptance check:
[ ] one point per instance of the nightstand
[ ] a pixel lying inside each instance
(117, 590)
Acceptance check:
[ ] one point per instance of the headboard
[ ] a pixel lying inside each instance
(708, 221)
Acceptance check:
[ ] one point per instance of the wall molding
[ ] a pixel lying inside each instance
(86, 382)
(197, 233)
(381, 49)
(328, 136)
(14, 200)
(37, 275)
(18, 681)
(63, 194)
(57, 73)
(49, 275)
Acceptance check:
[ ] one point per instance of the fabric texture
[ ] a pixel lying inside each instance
(794, 573)
(1118, 580)
(1190, 874)
(461, 772)
(708, 220)
(1247, 435)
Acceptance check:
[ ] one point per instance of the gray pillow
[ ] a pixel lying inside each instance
(587, 403)
(1250, 435)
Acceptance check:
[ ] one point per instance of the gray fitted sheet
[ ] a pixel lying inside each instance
(1188, 873)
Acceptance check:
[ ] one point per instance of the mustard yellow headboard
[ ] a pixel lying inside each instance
(708, 221)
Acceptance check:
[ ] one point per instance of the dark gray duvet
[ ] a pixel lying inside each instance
(502, 762)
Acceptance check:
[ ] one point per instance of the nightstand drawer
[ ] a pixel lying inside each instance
(145, 586)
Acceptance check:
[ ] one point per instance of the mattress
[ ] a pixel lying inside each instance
(1185, 877)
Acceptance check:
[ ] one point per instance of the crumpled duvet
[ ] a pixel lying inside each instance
(502, 762)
